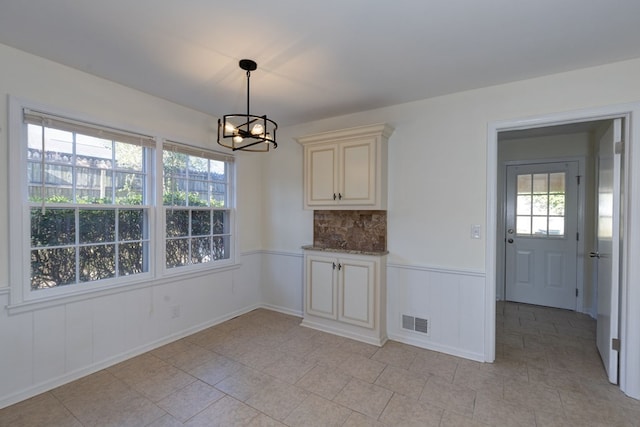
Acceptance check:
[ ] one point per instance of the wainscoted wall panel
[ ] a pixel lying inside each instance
(48, 347)
(452, 301)
(282, 281)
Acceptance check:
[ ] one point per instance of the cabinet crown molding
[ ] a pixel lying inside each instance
(379, 129)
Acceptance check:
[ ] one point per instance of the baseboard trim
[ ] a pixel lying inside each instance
(478, 357)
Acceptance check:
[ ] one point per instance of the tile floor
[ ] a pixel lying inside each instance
(262, 369)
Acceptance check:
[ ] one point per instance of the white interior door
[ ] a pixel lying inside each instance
(607, 253)
(541, 234)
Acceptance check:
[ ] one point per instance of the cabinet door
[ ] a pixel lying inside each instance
(321, 286)
(322, 171)
(357, 184)
(357, 292)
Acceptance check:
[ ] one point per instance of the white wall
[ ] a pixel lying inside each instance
(437, 190)
(43, 348)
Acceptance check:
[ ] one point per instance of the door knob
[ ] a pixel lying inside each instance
(594, 254)
(510, 240)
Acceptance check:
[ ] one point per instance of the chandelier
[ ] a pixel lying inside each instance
(247, 132)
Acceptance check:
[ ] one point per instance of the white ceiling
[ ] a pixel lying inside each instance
(318, 59)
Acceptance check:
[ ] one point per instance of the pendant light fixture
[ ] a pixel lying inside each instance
(247, 132)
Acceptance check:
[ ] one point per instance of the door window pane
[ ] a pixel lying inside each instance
(540, 204)
(523, 225)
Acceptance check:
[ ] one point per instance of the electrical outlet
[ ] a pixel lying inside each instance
(175, 311)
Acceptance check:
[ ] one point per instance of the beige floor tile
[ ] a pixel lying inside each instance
(206, 337)
(368, 399)
(533, 396)
(301, 332)
(189, 358)
(557, 379)
(356, 419)
(453, 419)
(502, 413)
(579, 406)
(226, 412)
(299, 346)
(315, 411)
(187, 402)
(277, 399)
(402, 381)
(328, 355)
(507, 367)
(215, 369)
(86, 387)
(511, 340)
(546, 419)
(324, 381)
(264, 421)
(442, 367)
(41, 410)
(174, 348)
(231, 346)
(244, 383)
(328, 340)
(289, 368)
(402, 411)
(166, 421)
(361, 348)
(260, 357)
(479, 380)
(362, 367)
(151, 376)
(114, 404)
(437, 391)
(396, 354)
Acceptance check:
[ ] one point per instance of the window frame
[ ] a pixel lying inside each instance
(183, 148)
(21, 297)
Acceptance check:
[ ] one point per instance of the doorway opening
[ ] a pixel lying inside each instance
(546, 208)
(629, 378)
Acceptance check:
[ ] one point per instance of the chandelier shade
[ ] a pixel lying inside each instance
(247, 132)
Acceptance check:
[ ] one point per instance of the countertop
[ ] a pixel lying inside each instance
(345, 251)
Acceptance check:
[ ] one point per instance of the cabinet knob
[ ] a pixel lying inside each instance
(334, 196)
(339, 266)
(339, 196)
(334, 265)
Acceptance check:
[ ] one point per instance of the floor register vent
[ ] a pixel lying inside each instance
(415, 324)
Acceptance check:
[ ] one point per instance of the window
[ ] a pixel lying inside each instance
(540, 205)
(89, 213)
(195, 196)
(88, 202)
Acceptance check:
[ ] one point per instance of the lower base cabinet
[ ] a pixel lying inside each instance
(345, 294)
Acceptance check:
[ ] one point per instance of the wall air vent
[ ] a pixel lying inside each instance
(415, 324)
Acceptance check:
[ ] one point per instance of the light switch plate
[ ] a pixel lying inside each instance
(475, 231)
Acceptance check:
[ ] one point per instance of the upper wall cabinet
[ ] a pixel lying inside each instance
(346, 169)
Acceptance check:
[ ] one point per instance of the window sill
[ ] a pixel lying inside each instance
(43, 303)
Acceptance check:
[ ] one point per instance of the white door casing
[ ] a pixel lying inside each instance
(607, 254)
(541, 234)
(629, 370)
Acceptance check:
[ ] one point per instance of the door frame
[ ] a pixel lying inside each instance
(501, 223)
(630, 278)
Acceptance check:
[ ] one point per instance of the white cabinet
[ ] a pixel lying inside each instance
(346, 169)
(345, 294)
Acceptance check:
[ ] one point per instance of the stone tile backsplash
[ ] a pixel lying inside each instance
(350, 230)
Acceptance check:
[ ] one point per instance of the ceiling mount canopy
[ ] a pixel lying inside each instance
(247, 132)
